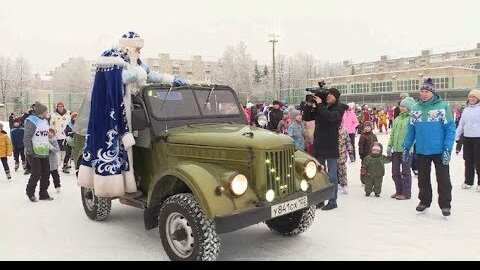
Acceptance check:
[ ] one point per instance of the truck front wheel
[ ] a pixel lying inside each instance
(294, 223)
(187, 234)
(96, 208)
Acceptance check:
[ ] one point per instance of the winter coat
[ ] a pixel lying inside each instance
(350, 121)
(431, 127)
(365, 143)
(69, 134)
(382, 118)
(390, 114)
(5, 145)
(327, 121)
(375, 165)
(396, 112)
(52, 155)
(399, 131)
(275, 116)
(248, 115)
(58, 122)
(283, 125)
(366, 116)
(469, 124)
(17, 137)
(296, 130)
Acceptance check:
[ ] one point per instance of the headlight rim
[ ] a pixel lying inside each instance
(305, 169)
(263, 116)
(230, 181)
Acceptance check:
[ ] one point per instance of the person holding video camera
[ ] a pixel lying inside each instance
(327, 113)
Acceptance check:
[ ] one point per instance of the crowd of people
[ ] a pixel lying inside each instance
(420, 132)
(40, 142)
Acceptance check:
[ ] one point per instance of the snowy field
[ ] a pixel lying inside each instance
(362, 228)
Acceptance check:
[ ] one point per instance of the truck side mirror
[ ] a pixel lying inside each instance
(139, 121)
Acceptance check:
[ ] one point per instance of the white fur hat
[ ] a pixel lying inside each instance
(475, 93)
(131, 39)
(351, 105)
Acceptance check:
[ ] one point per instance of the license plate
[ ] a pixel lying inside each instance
(288, 207)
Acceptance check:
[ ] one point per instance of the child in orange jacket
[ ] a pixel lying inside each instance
(5, 150)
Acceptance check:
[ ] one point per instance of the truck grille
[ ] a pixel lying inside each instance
(279, 169)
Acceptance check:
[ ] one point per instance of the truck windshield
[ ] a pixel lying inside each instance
(182, 103)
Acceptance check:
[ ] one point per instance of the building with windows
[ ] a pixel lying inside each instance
(467, 59)
(381, 82)
(195, 69)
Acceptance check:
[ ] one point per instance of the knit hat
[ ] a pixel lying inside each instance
(293, 113)
(367, 124)
(408, 102)
(428, 85)
(404, 95)
(40, 108)
(334, 92)
(351, 105)
(131, 39)
(475, 93)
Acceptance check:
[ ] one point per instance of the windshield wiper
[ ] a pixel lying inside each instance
(166, 96)
(209, 95)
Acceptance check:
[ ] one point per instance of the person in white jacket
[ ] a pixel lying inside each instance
(469, 127)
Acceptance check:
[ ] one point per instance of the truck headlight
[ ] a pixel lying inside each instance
(238, 184)
(270, 195)
(310, 168)
(262, 120)
(304, 185)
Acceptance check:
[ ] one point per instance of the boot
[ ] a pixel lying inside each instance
(24, 165)
(17, 165)
(65, 170)
(8, 175)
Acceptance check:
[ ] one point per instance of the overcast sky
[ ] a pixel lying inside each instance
(47, 32)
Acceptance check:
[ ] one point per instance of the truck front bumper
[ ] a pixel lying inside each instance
(232, 222)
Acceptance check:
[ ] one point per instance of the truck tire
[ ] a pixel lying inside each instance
(294, 223)
(96, 208)
(187, 234)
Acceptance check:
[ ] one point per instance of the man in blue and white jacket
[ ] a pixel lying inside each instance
(432, 129)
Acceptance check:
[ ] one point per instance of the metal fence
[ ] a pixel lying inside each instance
(454, 97)
(18, 106)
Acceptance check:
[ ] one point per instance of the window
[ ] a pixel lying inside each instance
(385, 86)
(343, 88)
(220, 102)
(441, 83)
(178, 103)
(359, 88)
(408, 85)
(436, 58)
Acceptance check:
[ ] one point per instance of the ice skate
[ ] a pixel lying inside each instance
(465, 186)
(17, 165)
(421, 209)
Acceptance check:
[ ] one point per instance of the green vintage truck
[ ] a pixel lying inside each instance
(202, 172)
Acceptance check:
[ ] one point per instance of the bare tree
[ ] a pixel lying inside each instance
(72, 77)
(5, 77)
(238, 69)
(22, 76)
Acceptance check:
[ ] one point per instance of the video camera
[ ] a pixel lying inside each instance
(319, 91)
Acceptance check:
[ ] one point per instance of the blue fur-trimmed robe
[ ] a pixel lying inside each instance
(105, 165)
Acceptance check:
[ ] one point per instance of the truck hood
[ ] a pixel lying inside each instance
(228, 135)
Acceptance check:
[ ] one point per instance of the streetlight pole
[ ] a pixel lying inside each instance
(274, 39)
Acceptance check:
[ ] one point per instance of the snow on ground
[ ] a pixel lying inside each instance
(362, 228)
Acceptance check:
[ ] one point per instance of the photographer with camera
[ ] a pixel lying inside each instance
(327, 113)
